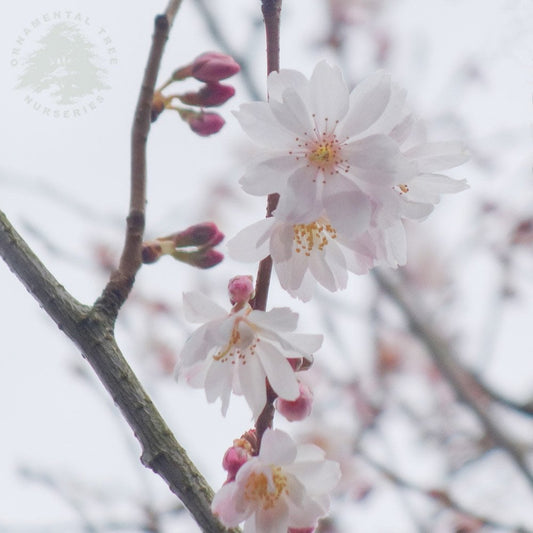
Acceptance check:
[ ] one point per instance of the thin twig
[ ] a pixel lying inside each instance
(122, 279)
(271, 13)
(459, 379)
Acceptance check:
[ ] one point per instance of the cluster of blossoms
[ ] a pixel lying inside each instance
(210, 68)
(349, 169)
(275, 486)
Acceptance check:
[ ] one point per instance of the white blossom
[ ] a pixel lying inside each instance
(285, 486)
(237, 352)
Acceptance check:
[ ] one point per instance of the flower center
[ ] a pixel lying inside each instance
(233, 350)
(263, 493)
(316, 235)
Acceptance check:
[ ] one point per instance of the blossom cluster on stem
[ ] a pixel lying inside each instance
(349, 168)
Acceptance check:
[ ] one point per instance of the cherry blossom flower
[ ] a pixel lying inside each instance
(304, 254)
(238, 351)
(284, 487)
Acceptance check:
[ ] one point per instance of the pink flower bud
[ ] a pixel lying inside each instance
(203, 234)
(205, 124)
(210, 95)
(299, 408)
(234, 458)
(241, 289)
(214, 66)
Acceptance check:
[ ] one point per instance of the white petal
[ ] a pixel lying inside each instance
(434, 185)
(303, 343)
(299, 202)
(415, 210)
(318, 477)
(218, 383)
(281, 243)
(367, 103)
(196, 347)
(279, 371)
(349, 212)
(433, 157)
(277, 319)
(278, 82)
(293, 114)
(258, 121)
(328, 96)
(269, 175)
(253, 384)
(252, 243)
(199, 308)
(321, 271)
(277, 448)
(378, 160)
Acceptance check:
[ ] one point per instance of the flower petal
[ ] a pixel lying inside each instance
(367, 103)
(277, 448)
(199, 308)
(252, 243)
(279, 371)
(436, 156)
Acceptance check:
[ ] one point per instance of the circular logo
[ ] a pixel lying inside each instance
(62, 63)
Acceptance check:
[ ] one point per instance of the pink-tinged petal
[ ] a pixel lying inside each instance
(299, 202)
(415, 210)
(279, 371)
(277, 319)
(199, 308)
(195, 374)
(269, 175)
(368, 101)
(378, 160)
(257, 120)
(277, 448)
(291, 273)
(223, 506)
(293, 114)
(273, 520)
(328, 96)
(433, 157)
(253, 385)
(348, 212)
(279, 82)
(252, 243)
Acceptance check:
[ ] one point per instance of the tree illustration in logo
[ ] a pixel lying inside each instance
(64, 66)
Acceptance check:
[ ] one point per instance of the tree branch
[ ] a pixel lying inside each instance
(93, 335)
(122, 279)
(452, 370)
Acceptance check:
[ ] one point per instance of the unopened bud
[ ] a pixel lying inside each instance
(210, 95)
(299, 408)
(234, 458)
(203, 234)
(205, 258)
(214, 66)
(205, 124)
(241, 289)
